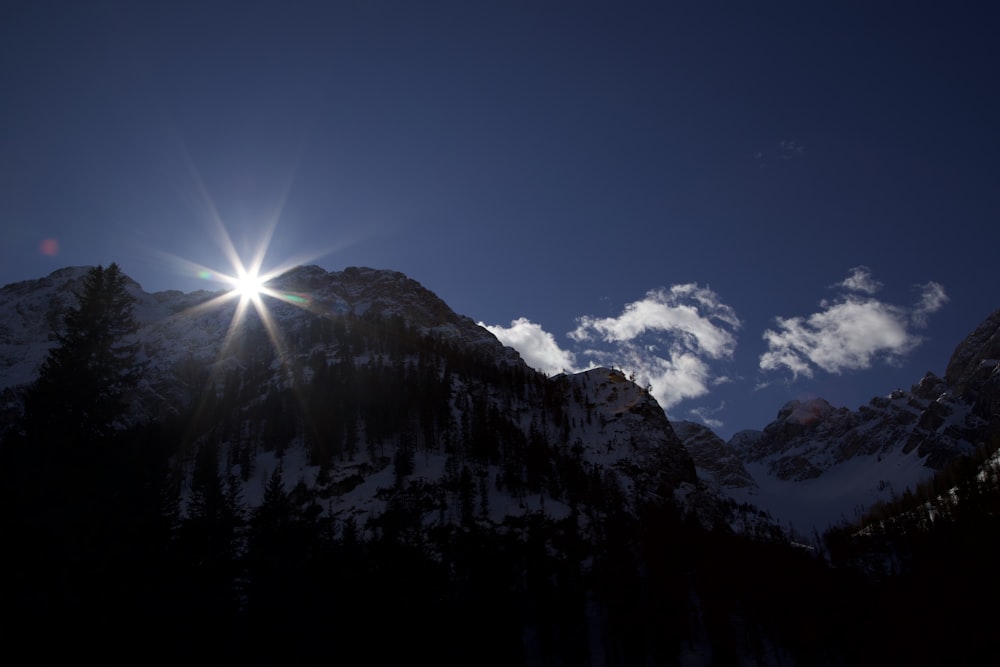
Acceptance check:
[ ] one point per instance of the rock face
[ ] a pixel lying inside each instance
(618, 425)
(717, 463)
(973, 373)
(796, 443)
(384, 294)
(979, 350)
(808, 438)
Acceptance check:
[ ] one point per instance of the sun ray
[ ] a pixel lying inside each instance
(245, 279)
(245, 282)
(239, 315)
(250, 285)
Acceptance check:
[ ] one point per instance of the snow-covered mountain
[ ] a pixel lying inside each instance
(356, 465)
(539, 437)
(813, 465)
(817, 464)
(716, 462)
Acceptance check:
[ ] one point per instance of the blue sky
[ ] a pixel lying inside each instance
(742, 203)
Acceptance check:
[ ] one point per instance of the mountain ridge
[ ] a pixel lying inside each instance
(816, 464)
(920, 430)
(316, 321)
(359, 451)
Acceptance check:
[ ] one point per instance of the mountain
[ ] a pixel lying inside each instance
(349, 468)
(973, 373)
(817, 464)
(410, 361)
(716, 462)
(812, 466)
(349, 449)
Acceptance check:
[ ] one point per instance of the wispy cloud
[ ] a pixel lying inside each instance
(932, 298)
(704, 415)
(536, 346)
(673, 340)
(787, 149)
(853, 332)
(859, 279)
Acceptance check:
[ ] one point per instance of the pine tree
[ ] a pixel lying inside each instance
(81, 387)
(80, 500)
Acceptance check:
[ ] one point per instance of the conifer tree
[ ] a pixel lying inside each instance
(78, 495)
(81, 386)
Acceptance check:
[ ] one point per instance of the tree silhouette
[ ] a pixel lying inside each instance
(83, 494)
(78, 397)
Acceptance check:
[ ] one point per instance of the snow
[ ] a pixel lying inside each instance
(843, 492)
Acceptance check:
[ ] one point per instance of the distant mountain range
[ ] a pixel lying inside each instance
(816, 464)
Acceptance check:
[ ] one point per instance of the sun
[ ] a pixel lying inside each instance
(248, 284)
(250, 287)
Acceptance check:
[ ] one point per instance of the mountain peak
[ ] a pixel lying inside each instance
(805, 413)
(979, 348)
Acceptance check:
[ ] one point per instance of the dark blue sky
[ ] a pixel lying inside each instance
(663, 179)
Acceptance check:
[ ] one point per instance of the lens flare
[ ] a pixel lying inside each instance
(49, 247)
(248, 285)
(251, 287)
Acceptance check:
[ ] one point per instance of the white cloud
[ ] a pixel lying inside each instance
(698, 323)
(536, 346)
(932, 298)
(860, 280)
(704, 415)
(669, 340)
(852, 333)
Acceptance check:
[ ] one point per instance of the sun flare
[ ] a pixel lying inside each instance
(250, 287)
(248, 284)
